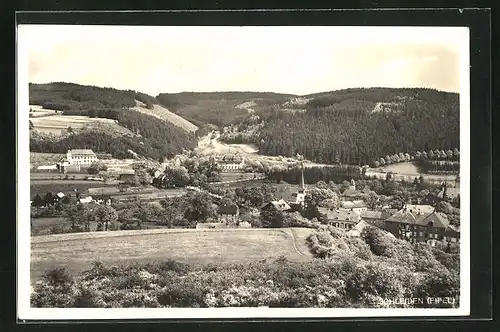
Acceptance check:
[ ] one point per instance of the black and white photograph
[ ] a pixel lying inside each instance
(242, 171)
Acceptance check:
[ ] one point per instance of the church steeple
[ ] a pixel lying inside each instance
(302, 186)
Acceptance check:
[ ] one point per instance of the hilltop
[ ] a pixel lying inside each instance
(218, 108)
(76, 99)
(350, 126)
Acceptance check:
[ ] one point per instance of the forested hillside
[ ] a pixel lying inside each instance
(357, 126)
(156, 138)
(217, 108)
(68, 96)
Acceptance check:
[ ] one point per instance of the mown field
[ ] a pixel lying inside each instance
(76, 251)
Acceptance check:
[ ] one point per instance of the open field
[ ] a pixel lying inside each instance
(402, 168)
(408, 171)
(58, 124)
(52, 176)
(37, 111)
(66, 186)
(76, 251)
(42, 226)
(229, 176)
(164, 114)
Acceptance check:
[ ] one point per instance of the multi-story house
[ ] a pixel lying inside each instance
(231, 163)
(81, 157)
(422, 227)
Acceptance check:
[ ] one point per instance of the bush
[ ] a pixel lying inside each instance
(378, 241)
(183, 294)
(58, 277)
(87, 298)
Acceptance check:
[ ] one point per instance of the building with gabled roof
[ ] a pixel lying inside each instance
(420, 208)
(280, 205)
(357, 206)
(357, 229)
(421, 227)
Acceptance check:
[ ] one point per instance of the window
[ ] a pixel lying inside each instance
(421, 233)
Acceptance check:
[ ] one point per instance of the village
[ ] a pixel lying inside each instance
(130, 182)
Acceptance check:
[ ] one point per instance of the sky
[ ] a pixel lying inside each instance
(296, 60)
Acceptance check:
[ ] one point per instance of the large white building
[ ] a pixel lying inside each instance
(81, 157)
(231, 163)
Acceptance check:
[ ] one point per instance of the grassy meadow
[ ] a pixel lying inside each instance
(76, 252)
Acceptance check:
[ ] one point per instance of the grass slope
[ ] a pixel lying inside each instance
(77, 251)
(164, 114)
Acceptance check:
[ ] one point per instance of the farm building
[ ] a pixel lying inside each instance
(47, 167)
(81, 157)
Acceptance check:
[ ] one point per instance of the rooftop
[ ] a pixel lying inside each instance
(281, 205)
(419, 208)
(434, 219)
(381, 215)
(81, 152)
(339, 214)
(353, 204)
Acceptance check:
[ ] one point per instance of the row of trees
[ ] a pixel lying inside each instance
(432, 157)
(189, 171)
(314, 174)
(439, 165)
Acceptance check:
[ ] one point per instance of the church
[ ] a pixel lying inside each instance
(291, 201)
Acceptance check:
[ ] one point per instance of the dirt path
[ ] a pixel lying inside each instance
(292, 232)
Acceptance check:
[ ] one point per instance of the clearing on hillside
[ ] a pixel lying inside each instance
(164, 114)
(76, 251)
(58, 124)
